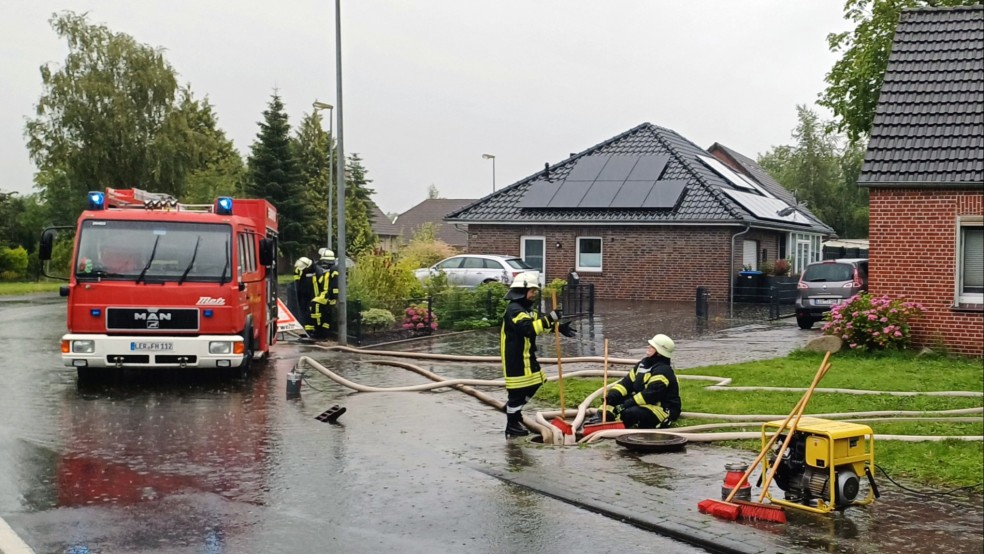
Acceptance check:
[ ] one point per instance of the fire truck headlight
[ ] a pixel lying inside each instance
(83, 346)
(220, 347)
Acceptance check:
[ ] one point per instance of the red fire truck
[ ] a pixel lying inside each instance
(157, 283)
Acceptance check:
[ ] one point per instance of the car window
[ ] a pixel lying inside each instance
(828, 272)
(472, 263)
(518, 263)
(449, 263)
(492, 264)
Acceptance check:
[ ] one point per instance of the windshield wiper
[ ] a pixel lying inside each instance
(192, 262)
(153, 253)
(226, 266)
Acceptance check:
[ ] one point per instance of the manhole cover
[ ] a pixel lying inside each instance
(651, 442)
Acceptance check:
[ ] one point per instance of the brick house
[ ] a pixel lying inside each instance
(389, 234)
(644, 215)
(924, 168)
(432, 211)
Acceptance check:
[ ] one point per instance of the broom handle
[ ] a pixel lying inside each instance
(604, 387)
(772, 440)
(789, 436)
(560, 367)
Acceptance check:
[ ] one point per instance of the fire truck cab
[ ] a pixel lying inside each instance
(156, 283)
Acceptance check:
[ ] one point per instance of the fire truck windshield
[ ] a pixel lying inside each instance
(153, 251)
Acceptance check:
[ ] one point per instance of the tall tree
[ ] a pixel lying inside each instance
(854, 82)
(359, 236)
(821, 169)
(275, 176)
(113, 115)
(315, 156)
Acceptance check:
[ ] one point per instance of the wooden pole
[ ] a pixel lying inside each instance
(560, 366)
(604, 388)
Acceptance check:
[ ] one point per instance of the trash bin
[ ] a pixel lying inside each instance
(749, 286)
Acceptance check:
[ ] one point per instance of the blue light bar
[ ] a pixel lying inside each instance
(97, 200)
(223, 205)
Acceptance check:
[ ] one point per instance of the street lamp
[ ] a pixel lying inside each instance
(342, 305)
(491, 157)
(322, 106)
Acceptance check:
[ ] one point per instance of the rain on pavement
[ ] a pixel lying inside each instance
(178, 463)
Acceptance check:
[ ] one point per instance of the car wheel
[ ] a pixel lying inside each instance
(804, 322)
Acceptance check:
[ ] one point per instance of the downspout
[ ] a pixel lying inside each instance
(731, 267)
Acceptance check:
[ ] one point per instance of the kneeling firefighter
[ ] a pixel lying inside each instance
(521, 323)
(649, 396)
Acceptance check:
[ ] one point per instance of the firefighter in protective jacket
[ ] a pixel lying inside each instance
(521, 324)
(649, 396)
(326, 292)
(304, 289)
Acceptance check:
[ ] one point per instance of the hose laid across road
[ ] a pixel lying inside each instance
(553, 435)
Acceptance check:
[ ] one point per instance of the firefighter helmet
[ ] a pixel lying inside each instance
(326, 254)
(663, 345)
(302, 263)
(525, 281)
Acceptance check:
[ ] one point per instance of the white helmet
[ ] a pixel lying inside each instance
(302, 263)
(525, 281)
(326, 254)
(663, 345)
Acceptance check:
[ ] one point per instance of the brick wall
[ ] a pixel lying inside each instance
(913, 254)
(645, 263)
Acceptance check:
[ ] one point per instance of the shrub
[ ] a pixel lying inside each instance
(380, 282)
(781, 267)
(872, 323)
(418, 319)
(13, 263)
(377, 319)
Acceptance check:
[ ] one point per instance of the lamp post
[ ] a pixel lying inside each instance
(491, 157)
(322, 106)
(340, 188)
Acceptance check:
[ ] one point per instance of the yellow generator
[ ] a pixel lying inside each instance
(821, 469)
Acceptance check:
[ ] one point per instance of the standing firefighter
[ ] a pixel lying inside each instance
(304, 289)
(326, 292)
(649, 396)
(520, 326)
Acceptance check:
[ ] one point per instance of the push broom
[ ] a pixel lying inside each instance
(726, 509)
(560, 422)
(604, 425)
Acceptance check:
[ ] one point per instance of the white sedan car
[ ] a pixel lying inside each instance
(471, 270)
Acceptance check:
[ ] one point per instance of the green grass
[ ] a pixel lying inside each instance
(18, 288)
(944, 464)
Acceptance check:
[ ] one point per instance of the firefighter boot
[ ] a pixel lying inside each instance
(514, 426)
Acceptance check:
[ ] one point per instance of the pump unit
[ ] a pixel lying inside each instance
(821, 469)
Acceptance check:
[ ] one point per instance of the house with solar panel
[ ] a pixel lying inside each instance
(924, 170)
(647, 214)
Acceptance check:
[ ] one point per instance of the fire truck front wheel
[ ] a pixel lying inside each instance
(242, 372)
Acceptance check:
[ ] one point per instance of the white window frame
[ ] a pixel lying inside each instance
(543, 242)
(750, 254)
(811, 250)
(961, 297)
(601, 256)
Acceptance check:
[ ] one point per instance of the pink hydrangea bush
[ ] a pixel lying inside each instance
(872, 322)
(418, 319)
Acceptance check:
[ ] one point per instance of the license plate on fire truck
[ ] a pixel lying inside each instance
(151, 346)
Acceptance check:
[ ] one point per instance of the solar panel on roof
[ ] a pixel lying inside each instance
(726, 173)
(569, 195)
(766, 208)
(618, 168)
(649, 168)
(539, 194)
(600, 195)
(588, 168)
(632, 194)
(665, 194)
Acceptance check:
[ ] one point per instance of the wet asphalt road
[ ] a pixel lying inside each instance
(176, 463)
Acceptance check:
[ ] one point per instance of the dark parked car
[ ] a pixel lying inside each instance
(825, 284)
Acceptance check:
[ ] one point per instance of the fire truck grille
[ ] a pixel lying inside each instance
(152, 319)
(129, 359)
(171, 359)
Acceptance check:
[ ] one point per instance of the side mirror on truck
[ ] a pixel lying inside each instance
(47, 243)
(267, 251)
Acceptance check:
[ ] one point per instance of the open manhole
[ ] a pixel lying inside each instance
(652, 442)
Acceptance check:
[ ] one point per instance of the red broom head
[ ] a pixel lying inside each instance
(720, 509)
(761, 512)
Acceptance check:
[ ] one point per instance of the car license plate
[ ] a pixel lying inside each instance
(825, 301)
(151, 346)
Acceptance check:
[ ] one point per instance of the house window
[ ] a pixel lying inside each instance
(749, 258)
(531, 249)
(589, 254)
(806, 249)
(970, 260)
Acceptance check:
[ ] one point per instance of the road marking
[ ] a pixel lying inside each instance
(10, 543)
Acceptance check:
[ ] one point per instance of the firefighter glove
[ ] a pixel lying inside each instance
(554, 316)
(566, 330)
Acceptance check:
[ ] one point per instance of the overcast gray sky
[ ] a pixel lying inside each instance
(431, 85)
